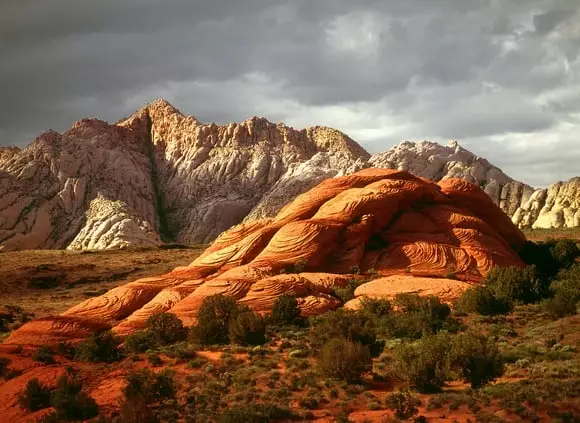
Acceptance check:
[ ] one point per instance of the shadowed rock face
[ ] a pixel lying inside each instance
(391, 221)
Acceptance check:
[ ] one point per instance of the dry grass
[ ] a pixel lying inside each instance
(545, 234)
(72, 276)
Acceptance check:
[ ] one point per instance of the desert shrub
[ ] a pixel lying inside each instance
(255, 413)
(35, 397)
(346, 293)
(285, 310)
(139, 342)
(343, 359)
(247, 328)
(44, 354)
(566, 293)
(481, 300)
(354, 326)
(477, 360)
(213, 320)
(100, 346)
(403, 403)
(514, 285)
(416, 316)
(376, 307)
(166, 328)
(424, 364)
(564, 252)
(70, 402)
(4, 363)
(154, 387)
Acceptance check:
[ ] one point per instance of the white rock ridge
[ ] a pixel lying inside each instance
(159, 176)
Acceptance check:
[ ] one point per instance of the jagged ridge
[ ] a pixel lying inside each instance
(159, 175)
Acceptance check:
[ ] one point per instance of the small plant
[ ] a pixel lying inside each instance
(424, 364)
(403, 403)
(285, 310)
(166, 328)
(343, 359)
(139, 342)
(255, 413)
(482, 300)
(35, 397)
(247, 328)
(477, 359)
(44, 354)
(70, 402)
(101, 346)
(213, 320)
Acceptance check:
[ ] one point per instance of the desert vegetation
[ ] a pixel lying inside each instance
(506, 350)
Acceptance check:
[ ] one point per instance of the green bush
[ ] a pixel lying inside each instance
(343, 359)
(255, 413)
(70, 402)
(140, 342)
(376, 307)
(101, 346)
(477, 360)
(403, 403)
(566, 293)
(44, 354)
(285, 310)
(514, 285)
(247, 328)
(153, 387)
(346, 293)
(213, 320)
(565, 252)
(352, 325)
(166, 328)
(35, 397)
(424, 364)
(416, 316)
(481, 300)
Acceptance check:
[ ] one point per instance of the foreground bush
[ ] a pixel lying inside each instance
(477, 360)
(351, 325)
(35, 397)
(285, 310)
(139, 342)
(100, 346)
(70, 402)
(255, 413)
(247, 328)
(213, 320)
(166, 328)
(566, 293)
(404, 404)
(481, 300)
(416, 316)
(344, 359)
(514, 285)
(424, 364)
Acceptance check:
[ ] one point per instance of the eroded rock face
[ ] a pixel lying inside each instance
(157, 175)
(162, 176)
(381, 221)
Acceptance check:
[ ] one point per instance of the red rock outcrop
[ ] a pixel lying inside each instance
(379, 221)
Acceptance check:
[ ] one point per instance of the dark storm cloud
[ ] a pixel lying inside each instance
(500, 76)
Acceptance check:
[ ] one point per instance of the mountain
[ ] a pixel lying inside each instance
(159, 176)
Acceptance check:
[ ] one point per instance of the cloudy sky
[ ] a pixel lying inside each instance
(500, 76)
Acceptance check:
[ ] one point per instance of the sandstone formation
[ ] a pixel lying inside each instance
(381, 221)
(159, 176)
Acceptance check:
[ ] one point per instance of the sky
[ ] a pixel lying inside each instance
(500, 76)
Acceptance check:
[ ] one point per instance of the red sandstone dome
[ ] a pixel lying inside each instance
(410, 231)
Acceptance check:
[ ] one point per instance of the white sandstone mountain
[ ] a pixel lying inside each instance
(161, 176)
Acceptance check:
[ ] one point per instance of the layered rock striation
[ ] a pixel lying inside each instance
(159, 176)
(383, 222)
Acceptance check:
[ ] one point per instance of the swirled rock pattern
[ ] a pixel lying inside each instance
(376, 221)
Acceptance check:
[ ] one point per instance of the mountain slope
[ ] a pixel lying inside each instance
(162, 176)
